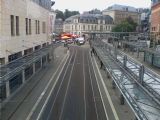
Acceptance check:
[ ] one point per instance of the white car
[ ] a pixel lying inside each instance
(80, 40)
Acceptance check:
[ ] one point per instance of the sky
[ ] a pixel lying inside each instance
(86, 5)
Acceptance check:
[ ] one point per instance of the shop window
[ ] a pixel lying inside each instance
(14, 56)
(15, 82)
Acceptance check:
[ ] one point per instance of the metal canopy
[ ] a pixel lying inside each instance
(11, 69)
(139, 85)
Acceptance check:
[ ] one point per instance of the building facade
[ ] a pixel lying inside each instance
(24, 27)
(58, 26)
(145, 20)
(52, 21)
(80, 24)
(155, 21)
(155, 17)
(119, 13)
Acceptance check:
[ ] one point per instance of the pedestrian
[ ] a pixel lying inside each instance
(91, 52)
(101, 63)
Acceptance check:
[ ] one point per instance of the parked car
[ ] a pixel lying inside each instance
(70, 41)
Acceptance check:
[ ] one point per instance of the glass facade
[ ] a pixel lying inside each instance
(15, 82)
(151, 58)
(2, 92)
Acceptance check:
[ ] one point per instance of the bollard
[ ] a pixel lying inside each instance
(125, 61)
(141, 74)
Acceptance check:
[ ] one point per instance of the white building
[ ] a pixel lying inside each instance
(79, 24)
(52, 21)
(24, 27)
(58, 26)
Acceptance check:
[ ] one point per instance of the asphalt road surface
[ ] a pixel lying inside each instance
(76, 95)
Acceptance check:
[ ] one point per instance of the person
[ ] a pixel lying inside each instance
(91, 51)
(101, 63)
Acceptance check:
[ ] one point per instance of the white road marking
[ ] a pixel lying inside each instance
(95, 105)
(107, 93)
(67, 88)
(59, 87)
(99, 90)
(84, 89)
(44, 91)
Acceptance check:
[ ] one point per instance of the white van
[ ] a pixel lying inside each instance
(80, 41)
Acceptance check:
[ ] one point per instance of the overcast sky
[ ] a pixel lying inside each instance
(85, 5)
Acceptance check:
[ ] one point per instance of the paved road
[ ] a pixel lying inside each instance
(76, 95)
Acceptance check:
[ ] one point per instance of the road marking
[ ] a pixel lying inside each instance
(84, 89)
(106, 91)
(67, 88)
(44, 91)
(95, 105)
(99, 90)
(59, 87)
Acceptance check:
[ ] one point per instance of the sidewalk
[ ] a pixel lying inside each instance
(124, 112)
(22, 102)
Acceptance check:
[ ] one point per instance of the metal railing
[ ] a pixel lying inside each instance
(137, 83)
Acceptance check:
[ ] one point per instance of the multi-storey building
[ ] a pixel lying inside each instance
(58, 26)
(119, 13)
(23, 27)
(155, 21)
(80, 24)
(52, 21)
(155, 16)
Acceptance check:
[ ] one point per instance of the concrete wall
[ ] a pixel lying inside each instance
(24, 9)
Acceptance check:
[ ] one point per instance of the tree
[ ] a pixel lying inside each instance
(128, 25)
(59, 14)
(66, 14)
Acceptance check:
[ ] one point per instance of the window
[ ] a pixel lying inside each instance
(12, 25)
(101, 28)
(26, 26)
(83, 27)
(14, 56)
(36, 26)
(92, 27)
(44, 27)
(30, 27)
(17, 25)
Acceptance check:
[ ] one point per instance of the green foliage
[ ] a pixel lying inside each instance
(127, 25)
(59, 14)
(66, 14)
